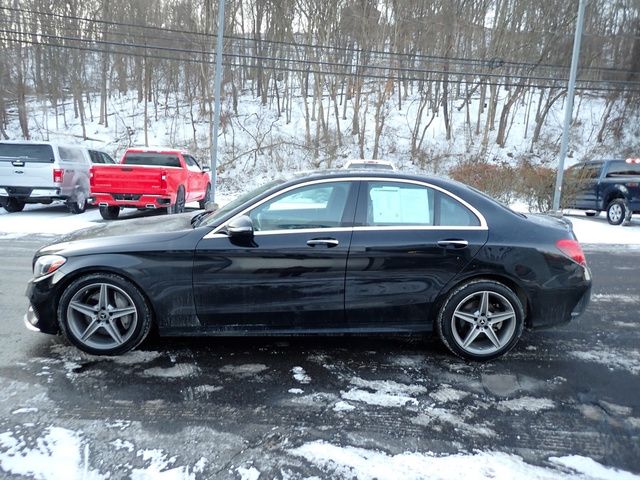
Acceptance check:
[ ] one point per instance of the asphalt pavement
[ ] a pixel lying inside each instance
(228, 408)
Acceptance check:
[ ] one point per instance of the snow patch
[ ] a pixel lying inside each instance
(363, 464)
(614, 297)
(385, 393)
(296, 391)
(300, 375)
(123, 445)
(180, 370)
(158, 467)
(448, 394)
(25, 410)
(461, 423)
(251, 473)
(528, 404)
(619, 359)
(245, 370)
(59, 453)
(343, 407)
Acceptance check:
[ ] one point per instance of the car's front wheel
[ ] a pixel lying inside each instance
(481, 320)
(104, 314)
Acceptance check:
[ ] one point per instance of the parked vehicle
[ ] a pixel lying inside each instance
(40, 172)
(99, 157)
(609, 185)
(370, 164)
(148, 179)
(334, 252)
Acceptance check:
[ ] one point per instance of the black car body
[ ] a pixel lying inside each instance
(605, 185)
(334, 252)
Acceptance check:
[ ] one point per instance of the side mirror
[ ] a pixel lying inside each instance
(206, 168)
(240, 227)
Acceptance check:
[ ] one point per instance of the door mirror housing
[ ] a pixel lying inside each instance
(240, 227)
(206, 168)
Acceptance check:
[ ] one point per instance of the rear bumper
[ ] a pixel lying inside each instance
(32, 193)
(555, 307)
(132, 200)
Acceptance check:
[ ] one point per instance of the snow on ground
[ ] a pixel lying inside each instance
(363, 464)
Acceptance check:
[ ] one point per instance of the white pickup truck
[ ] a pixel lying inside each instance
(40, 172)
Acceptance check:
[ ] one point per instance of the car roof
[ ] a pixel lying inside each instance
(36, 142)
(156, 150)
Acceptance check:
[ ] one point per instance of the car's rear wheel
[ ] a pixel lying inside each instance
(13, 205)
(104, 314)
(617, 211)
(78, 204)
(178, 207)
(207, 195)
(481, 320)
(109, 213)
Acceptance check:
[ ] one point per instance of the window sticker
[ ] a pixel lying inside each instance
(400, 205)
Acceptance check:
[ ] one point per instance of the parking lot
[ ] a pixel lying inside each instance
(365, 407)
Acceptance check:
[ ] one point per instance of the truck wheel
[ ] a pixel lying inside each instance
(109, 213)
(617, 211)
(78, 204)
(207, 195)
(177, 207)
(13, 205)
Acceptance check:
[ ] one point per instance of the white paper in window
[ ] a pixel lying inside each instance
(400, 205)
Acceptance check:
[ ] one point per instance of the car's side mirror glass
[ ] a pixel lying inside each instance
(240, 227)
(206, 168)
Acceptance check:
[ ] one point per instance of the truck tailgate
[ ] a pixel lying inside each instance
(127, 179)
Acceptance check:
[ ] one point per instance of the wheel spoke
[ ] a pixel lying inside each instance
(473, 334)
(83, 308)
(492, 336)
(112, 330)
(484, 304)
(103, 299)
(91, 329)
(500, 317)
(467, 317)
(121, 312)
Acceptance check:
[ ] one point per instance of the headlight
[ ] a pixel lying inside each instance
(47, 264)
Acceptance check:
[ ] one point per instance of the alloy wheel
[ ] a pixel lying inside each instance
(102, 316)
(483, 322)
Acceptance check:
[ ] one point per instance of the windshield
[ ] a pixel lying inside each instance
(28, 152)
(215, 216)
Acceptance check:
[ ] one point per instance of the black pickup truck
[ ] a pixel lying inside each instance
(609, 185)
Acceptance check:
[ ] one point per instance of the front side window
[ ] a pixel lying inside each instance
(313, 206)
(406, 204)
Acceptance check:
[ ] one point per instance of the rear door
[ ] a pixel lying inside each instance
(26, 165)
(581, 186)
(412, 239)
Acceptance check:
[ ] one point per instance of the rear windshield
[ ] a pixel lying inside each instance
(153, 159)
(375, 166)
(31, 153)
(623, 169)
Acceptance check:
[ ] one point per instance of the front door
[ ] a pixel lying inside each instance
(290, 275)
(413, 239)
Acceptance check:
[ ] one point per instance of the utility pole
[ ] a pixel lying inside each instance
(568, 109)
(216, 116)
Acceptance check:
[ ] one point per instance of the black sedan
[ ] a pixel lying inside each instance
(333, 252)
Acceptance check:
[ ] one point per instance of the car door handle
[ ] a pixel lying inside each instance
(328, 242)
(454, 244)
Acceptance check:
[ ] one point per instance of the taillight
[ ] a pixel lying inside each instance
(91, 180)
(58, 173)
(573, 250)
(163, 180)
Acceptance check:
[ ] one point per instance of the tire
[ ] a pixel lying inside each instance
(13, 205)
(592, 213)
(617, 211)
(464, 322)
(177, 207)
(86, 314)
(78, 204)
(109, 213)
(207, 195)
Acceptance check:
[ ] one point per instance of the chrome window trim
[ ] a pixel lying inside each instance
(483, 223)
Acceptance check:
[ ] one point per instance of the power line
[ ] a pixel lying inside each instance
(305, 45)
(397, 70)
(316, 71)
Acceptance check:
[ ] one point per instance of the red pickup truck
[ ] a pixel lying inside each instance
(148, 179)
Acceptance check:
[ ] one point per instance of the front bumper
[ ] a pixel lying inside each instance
(41, 314)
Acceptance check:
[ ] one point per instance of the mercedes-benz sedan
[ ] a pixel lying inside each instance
(334, 252)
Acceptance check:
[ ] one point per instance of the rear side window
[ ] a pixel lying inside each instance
(152, 159)
(71, 154)
(405, 204)
(27, 152)
(623, 169)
